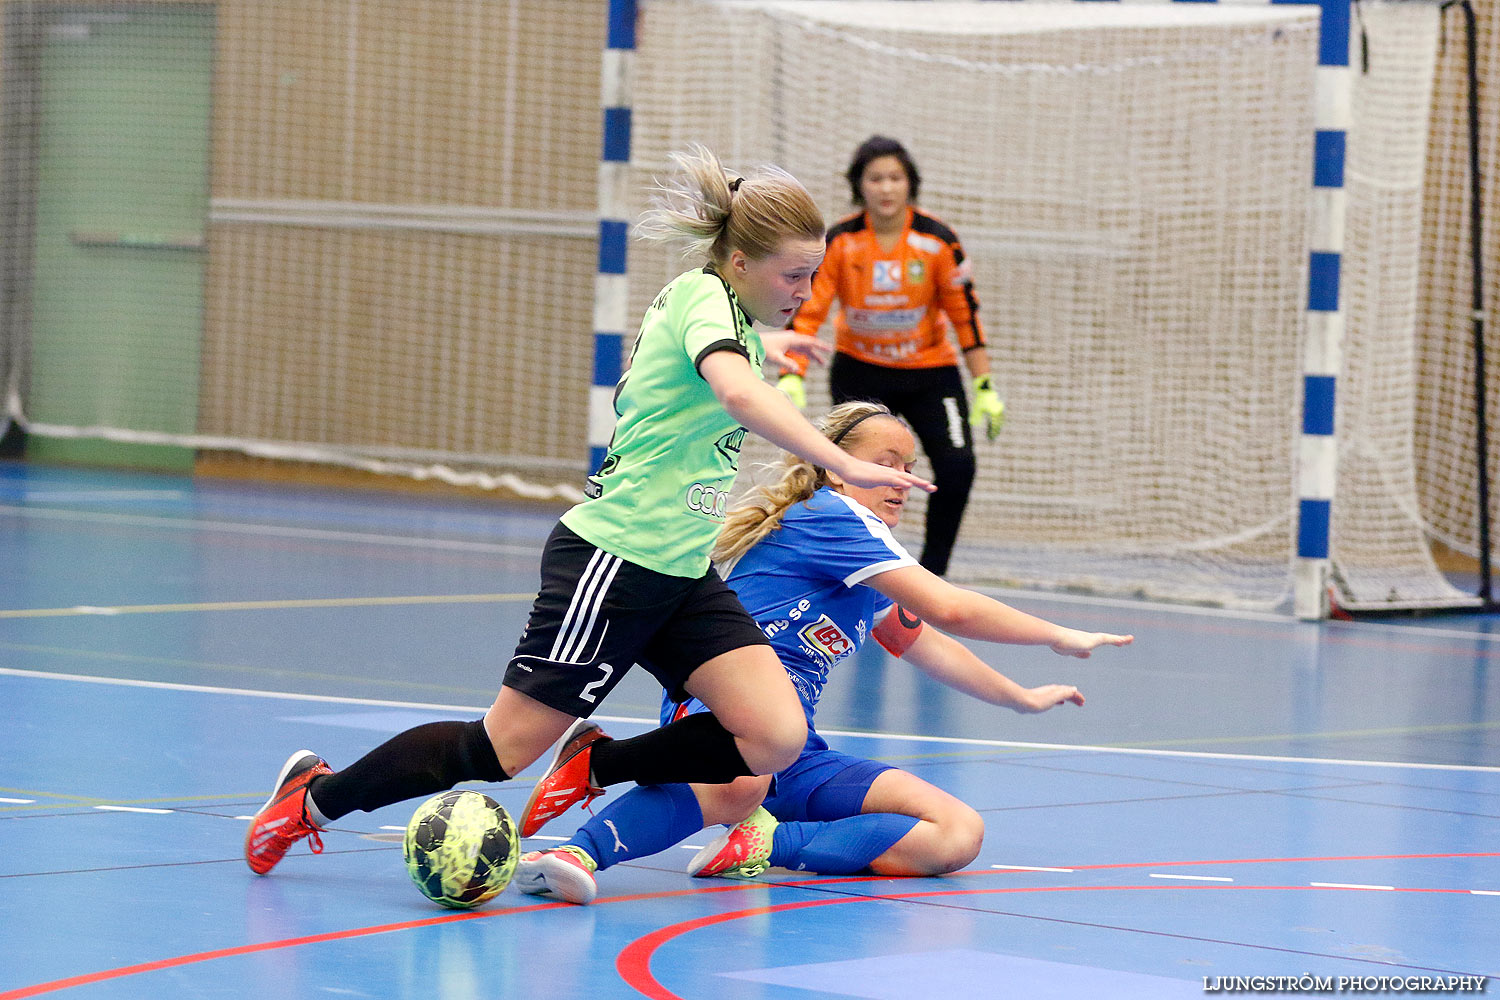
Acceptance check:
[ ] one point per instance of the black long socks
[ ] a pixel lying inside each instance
(422, 761)
(695, 748)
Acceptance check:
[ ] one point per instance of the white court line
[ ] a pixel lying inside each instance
(18, 802)
(1483, 892)
(271, 530)
(1028, 868)
(904, 737)
(1149, 752)
(1351, 885)
(1193, 878)
(135, 809)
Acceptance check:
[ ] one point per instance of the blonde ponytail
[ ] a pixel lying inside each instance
(709, 213)
(760, 511)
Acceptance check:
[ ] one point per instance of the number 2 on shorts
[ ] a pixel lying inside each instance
(587, 694)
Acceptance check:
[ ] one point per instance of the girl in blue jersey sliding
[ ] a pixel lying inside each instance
(812, 558)
(626, 576)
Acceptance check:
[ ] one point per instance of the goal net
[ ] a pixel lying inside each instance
(1380, 547)
(1132, 186)
(1446, 436)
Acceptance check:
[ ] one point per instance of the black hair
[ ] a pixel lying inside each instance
(874, 148)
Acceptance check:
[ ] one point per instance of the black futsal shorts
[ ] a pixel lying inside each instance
(597, 615)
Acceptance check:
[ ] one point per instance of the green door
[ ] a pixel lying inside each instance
(122, 204)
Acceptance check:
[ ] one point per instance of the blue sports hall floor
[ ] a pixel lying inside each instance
(1244, 797)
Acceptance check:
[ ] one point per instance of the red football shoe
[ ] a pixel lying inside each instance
(743, 852)
(567, 781)
(283, 821)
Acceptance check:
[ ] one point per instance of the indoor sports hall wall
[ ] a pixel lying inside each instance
(398, 248)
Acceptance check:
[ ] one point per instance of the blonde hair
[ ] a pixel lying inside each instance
(760, 511)
(710, 213)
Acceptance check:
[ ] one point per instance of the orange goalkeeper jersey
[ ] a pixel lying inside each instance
(892, 302)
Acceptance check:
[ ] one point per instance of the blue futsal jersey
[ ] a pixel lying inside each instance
(802, 584)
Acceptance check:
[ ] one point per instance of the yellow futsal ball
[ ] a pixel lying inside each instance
(461, 848)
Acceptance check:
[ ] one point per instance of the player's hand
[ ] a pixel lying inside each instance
(791, 385)
(1039, 699)
(781, 345)
(989, 410)
(857, 472)
(1080, 644)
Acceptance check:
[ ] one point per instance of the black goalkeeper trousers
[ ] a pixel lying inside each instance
(932, 401)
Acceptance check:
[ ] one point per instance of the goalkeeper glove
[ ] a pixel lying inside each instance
(791, 385)
(989, 411)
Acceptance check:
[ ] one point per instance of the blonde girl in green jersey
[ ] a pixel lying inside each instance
(625, 574)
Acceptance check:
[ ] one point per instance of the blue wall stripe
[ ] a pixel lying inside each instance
(617, 135)
(608, 358)
(1328, 158)
(612, 233)
(1312, 528)
(596, 457)
(1323, 281)
(1317, 404)
(621, 24)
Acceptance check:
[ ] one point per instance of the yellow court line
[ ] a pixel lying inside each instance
(319, 602)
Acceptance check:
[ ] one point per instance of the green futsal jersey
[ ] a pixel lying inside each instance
(658, 500)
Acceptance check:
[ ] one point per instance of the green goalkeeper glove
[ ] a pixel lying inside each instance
(791, 384)
(989, 411)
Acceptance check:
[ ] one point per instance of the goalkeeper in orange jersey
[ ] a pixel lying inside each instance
(902, 282)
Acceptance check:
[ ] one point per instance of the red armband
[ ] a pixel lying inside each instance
(897, 630)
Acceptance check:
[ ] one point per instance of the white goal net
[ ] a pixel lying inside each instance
(1380, 547)
(1132, 186)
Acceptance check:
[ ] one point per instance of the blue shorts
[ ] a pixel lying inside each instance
(822, 785)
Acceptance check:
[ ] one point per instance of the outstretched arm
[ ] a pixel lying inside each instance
(766, 411)
(945, 659)
(972, 615)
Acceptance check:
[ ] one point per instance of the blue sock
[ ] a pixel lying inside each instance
(837, 847)
(643, 821)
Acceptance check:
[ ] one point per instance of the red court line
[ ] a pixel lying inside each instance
(353, 932)
(179, 961)
(634, 961)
